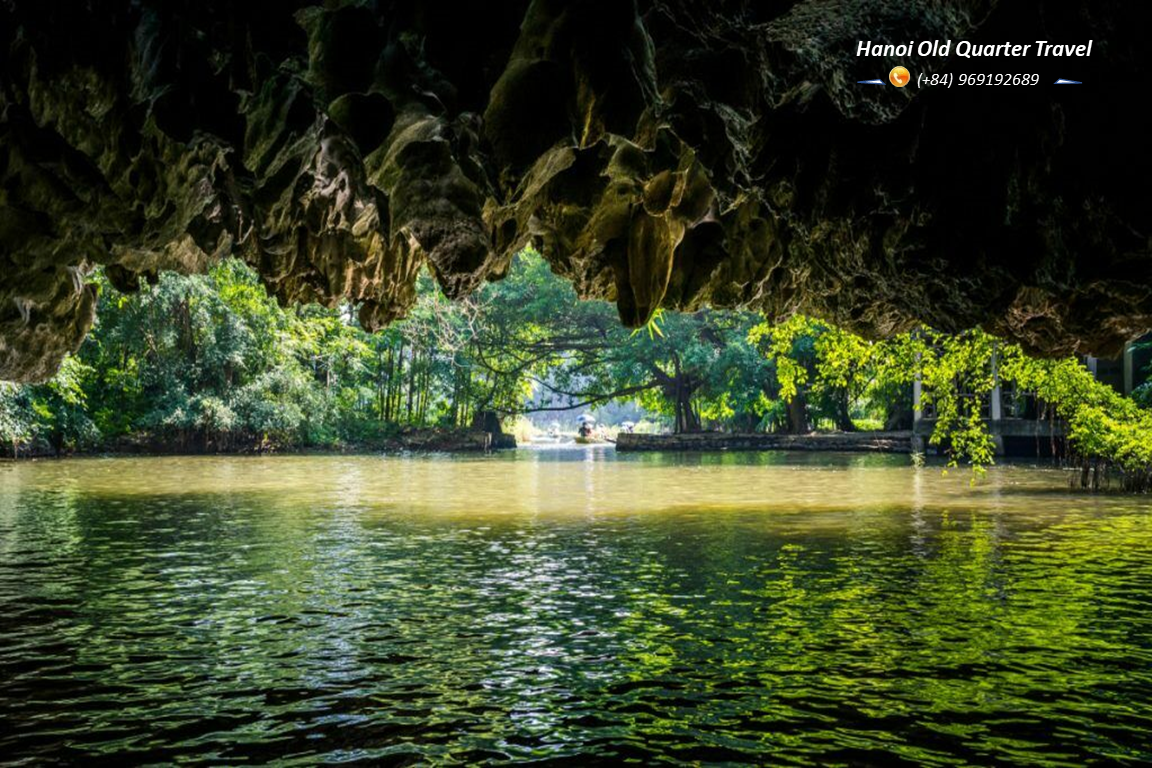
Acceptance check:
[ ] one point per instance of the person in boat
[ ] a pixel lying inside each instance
(585, 429)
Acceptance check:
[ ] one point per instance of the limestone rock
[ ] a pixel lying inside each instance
(659, 153)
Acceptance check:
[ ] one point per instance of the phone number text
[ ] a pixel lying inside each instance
(948, 79)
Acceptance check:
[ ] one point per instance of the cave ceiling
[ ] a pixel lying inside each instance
(667, 153)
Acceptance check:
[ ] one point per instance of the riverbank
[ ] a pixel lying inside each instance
(418, 439)
(870, 442)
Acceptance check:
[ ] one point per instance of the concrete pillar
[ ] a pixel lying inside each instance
(919, 443)
(917, 396)
(1129, 369)
(995, 411)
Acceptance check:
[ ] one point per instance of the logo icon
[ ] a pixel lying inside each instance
(899, 77)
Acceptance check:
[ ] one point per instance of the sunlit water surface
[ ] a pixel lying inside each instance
(569, 606)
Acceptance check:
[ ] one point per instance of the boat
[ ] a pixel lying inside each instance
(586, 434)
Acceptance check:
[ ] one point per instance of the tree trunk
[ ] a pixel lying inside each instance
(454, 403)
(899, 414)
(465, 397)
(678, 397)
(388, 416)
(398, 380)
(379, 385)
(798, 415)
(682, 389)
(411, 385)
(843, 417)
(422, 401)
(690, 417)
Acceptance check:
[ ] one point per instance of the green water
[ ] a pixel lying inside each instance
(569, 606)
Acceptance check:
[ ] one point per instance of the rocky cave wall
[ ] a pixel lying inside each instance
(659, 153)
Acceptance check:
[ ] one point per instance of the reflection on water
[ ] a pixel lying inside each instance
(569, 604)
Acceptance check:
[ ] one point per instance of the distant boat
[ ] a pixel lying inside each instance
(586, 435)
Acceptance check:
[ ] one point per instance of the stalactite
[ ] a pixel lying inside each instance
(660, 154)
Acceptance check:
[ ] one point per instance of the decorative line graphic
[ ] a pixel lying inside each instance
(871, 82)
(1062, 81)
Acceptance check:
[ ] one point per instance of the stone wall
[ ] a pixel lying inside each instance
(878, 442)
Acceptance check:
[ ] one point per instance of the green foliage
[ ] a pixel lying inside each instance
(1143, 395)
(211, 362)
(837, 375)
(1105, 428)
(958, 373)
(18, 421)
(54, 413)
(530, 333)
(790, 345)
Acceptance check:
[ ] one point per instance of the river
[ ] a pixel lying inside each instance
(569, 605)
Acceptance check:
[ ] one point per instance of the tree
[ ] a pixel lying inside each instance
(827, 374)
(18, 421)
(531, 328)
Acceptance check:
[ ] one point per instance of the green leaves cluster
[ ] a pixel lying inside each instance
(837, 375)
(1104, 427)
(958, 373)
(692, 369)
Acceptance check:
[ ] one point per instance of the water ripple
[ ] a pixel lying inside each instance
(309, 609)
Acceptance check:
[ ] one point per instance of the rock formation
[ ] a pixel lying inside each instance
(658, 152)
